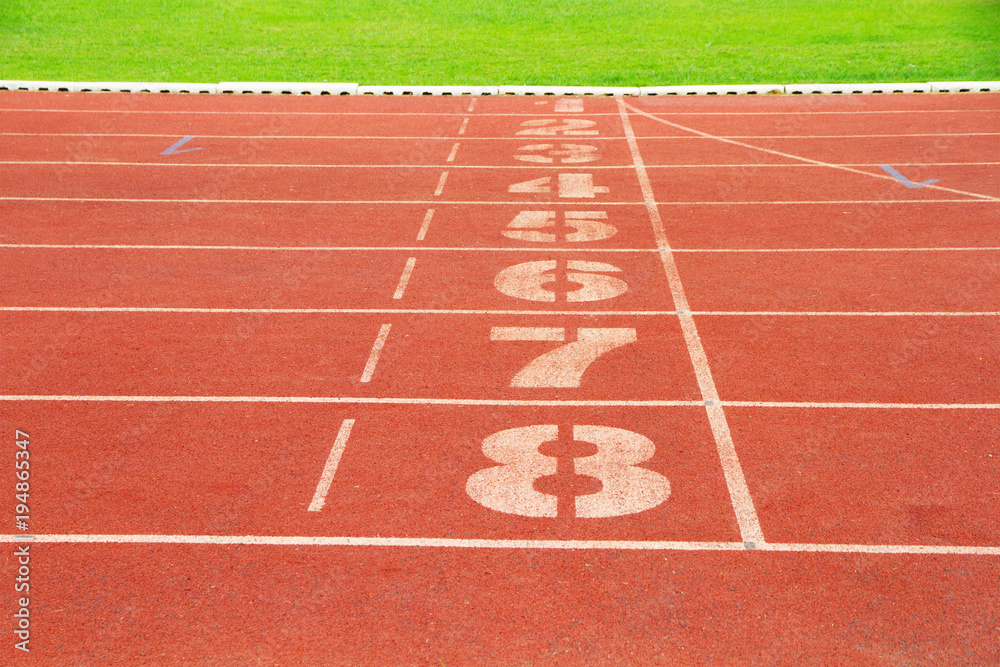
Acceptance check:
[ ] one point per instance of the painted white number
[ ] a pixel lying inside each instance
(564, 366)
(586, 223)
(510, 487)
(550, 127)
(569, 105)
(569, 185)
(526, 281)
(566, 153)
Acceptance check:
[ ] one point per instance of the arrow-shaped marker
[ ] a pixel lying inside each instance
(904, 180)
(173, 150)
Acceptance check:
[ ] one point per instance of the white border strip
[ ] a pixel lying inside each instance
(467, 543)
(772, 89)
(291, 88)
(427, 90)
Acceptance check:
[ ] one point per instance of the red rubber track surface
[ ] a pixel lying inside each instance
(269, 351)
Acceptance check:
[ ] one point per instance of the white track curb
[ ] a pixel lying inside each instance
(278, 88)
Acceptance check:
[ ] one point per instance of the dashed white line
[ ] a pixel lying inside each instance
(465, 124)
(454, 152)
(440, 186)
(405, 278)
(425, 225)
(376, 352)
(330, 469)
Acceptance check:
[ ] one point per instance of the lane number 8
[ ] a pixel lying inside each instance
(626, 488)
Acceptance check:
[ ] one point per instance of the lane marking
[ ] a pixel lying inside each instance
(469, 311)
(539, 113)
(904, 180)
(383, 400)
(796, 157)
(569, 105)
(739, 492)
(849, 313)
(425, 225)
(440, 186)
(176, 148)
(377, 346)
(405, 278)
(534, 166)
(555, 202)
(460, 543)
(303, 165)
(863, 406)
(330, 469)
(359, 311)
(472, 105)
(465, 124)
(928, 249)
(365, 137)
(367, 400)
(107, 246)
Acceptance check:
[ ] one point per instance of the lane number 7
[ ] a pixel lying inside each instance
(564, 366)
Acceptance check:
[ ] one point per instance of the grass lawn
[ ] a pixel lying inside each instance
(434, 42)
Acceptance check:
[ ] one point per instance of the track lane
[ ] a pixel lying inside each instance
(490, 607)
(853, 359)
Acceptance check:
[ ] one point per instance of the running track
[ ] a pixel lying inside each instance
(498, 381)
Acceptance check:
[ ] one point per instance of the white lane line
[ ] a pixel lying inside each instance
(440, 186)
(766, 250)
(465, 124)
(304, 165)
(366, 400)
(405, 278)
(852, 313)
(472, 105)
(589, 313)
(306, 311)
(848, 112)
(863, 406)
(799, 157)
(425, 225)
(108, 246)
(367, 138)
(822, 136)
(451, 158)
(330, 469)
(376, 352)
(394, 202)
(638, 403)
(469, 543)
(739, 492)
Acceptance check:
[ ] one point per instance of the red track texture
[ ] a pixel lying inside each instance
(500, 381)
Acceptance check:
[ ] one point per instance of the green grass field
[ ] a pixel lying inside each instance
(434, 42)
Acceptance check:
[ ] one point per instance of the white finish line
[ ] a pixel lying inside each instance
(460, 543)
